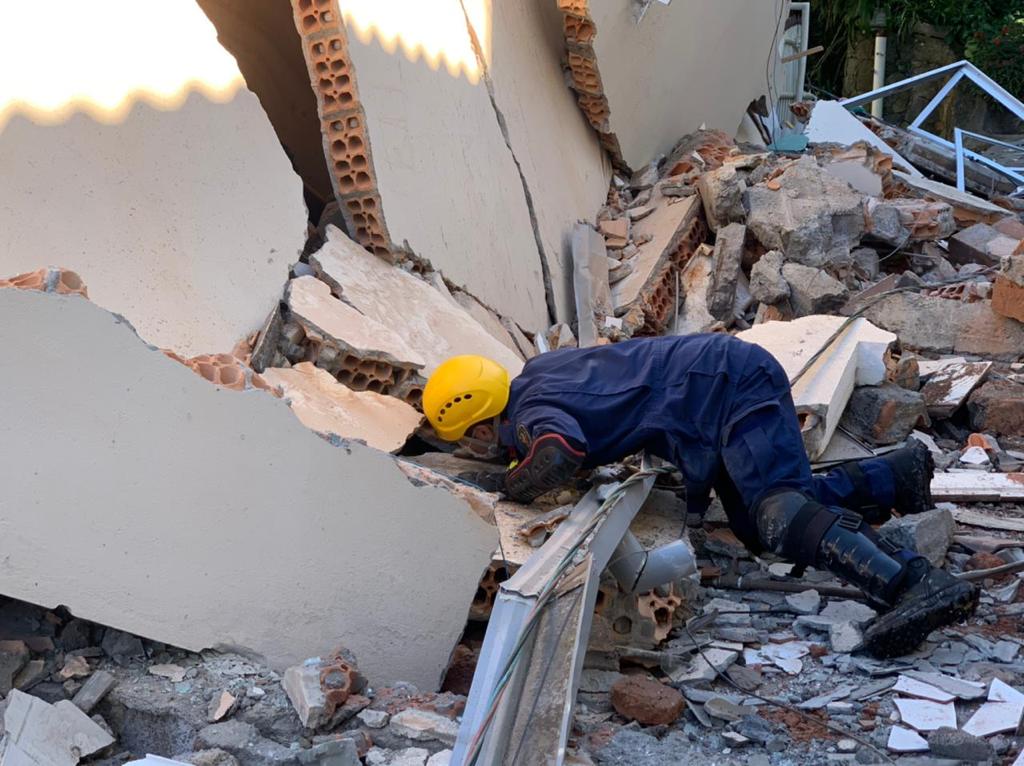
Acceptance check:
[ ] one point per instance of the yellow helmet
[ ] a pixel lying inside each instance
(463, 391)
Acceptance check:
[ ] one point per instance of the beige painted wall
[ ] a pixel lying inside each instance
(143, 497)
(566, 170)
(689, 63)
(447, 181)
(153, 174)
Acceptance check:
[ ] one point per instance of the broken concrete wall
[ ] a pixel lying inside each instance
(203, 517)
(154, 175)
(261, 37)
(482, 179)
(683, 65)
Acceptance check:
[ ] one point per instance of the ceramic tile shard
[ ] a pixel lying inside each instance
(925, 715)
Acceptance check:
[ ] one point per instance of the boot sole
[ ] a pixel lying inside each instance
(902, 630)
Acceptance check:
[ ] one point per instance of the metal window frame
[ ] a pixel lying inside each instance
(956, 72)
(515, 600)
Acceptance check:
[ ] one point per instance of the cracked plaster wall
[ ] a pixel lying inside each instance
(158, 180)
(143, 497)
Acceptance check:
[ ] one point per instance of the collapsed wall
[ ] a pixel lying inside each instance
(683, 65)
(450, 137)
(144, 498)
(154, 175)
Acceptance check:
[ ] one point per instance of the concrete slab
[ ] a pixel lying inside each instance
(162, 184)
(411, 69)
(855, 358)
(207, 478)
(327, 407)
(426, 319)
(40, 734)
(968, 209)
(664, 227)
(948, 388)
(310, 300)
(831, 122)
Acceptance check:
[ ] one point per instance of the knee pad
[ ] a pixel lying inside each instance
(792, 525)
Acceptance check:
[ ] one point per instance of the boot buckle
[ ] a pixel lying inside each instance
(850, 521)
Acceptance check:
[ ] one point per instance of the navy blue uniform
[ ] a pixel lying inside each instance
(717, 408)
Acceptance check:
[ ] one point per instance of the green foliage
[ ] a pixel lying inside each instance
(989, 33)
(998, 49)
(962, 18)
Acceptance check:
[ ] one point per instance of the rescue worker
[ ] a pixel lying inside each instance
(720, 410)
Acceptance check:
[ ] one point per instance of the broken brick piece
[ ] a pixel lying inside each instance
(1008, 298)
(646, 701)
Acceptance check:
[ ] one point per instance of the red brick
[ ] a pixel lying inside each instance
(644, 700)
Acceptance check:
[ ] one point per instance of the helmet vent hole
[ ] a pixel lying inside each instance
(458, 399)
(440, 419)
(467, 397)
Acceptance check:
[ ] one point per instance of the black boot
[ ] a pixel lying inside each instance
(929, 599)
(912, 470)
(917, 597)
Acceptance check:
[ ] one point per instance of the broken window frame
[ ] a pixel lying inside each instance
(956, 72)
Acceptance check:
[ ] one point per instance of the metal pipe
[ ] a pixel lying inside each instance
(639, 570)
(878, 79)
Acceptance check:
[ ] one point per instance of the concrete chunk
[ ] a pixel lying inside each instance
(812, 291)
(811, 214)
(13, 657)
(728, 256)
(310, 301)
(418, 725)
(930, 323)
(94, 690)
(885, 414)
(981, 244)
(327, 407)
(929, 534)
(721, 190)
(408, 306)
(998, 407)
(49, 735)
(767, 284)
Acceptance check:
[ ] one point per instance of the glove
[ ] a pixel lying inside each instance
(551, 462)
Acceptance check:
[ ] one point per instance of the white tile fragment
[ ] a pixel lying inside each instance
(903, 740)
(914, 688)
(925, 715)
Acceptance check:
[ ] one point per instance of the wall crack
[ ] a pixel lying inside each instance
(549, 295)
